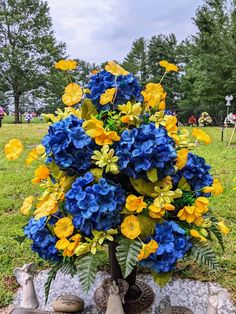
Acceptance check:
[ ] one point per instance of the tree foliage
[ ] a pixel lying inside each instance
(28, 49)
(210, 68)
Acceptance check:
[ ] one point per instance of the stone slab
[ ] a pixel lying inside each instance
(191, 294)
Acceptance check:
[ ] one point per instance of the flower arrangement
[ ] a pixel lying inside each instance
(230, 119)
(204, 119)
(114, 166)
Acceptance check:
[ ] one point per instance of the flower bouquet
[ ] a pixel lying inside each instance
(204, 119)
(114, 168)
(230, 119)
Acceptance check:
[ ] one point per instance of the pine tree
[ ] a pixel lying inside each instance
(28, 48)
(136, 60)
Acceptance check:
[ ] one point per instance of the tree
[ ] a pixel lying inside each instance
(28, 48)
(136, 60)
(210, 72)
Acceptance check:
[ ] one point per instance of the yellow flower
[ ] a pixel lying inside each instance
(148, 249)
(194, 213)
(153, 95)
(73, 94)
(168, 66)
(156, 212)
(34, 154)
(115, 68)
(202, 204)
(135, 203)
(165, 195)
(107, 96)
(159, 212)
(62, 244)
(27, 204)
(194, 233)
(105, 158)
(222, 227)
(66, 65)
(13, 149)
(170, 124)
(215, 189)
(182, 158)
(184, 139)
(94, 128)
(72, 246)
(41, 173)
(47, 207)
(201, 136)
(63, 227)
(131, 112)
(130, 227)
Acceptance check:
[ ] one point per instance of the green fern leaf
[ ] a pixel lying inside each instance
(87, 269)
(203, 254)
(218, 235)
(51, 276)
(127, 255)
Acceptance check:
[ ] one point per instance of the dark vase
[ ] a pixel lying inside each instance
(139, 295)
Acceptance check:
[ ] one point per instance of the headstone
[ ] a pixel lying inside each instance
(68, 303)
(177, 310)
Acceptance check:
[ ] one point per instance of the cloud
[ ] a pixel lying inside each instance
(100, 30)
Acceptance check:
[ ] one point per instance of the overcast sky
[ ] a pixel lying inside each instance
(98, 30)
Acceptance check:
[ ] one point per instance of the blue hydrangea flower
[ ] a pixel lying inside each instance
(172, 245)
(144, 148)
(43, 241)
(94, 205)
(68, 145)
(127, 86)
(196, 172)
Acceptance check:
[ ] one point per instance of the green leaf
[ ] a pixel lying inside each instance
(147, 225)
(152, 175)
(87, 269)
(127, 255)
(88, 109)
(51, 276)
(218, 235)
(203, 254)
(143, 187)
(162, 278)
(184, 185)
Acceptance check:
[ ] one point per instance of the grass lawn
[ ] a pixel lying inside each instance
(15, 185)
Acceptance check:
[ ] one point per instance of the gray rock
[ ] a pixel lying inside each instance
(68, 303)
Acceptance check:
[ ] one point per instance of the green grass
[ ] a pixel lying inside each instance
(15, 185)
(10, 119)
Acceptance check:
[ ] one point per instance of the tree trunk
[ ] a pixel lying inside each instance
(17, 106)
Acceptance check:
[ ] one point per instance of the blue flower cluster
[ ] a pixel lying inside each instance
(94, 205)
(172, 245)
(128, 88)
(196, 172)
(144, 148)
(68, 145)
(43, 241)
